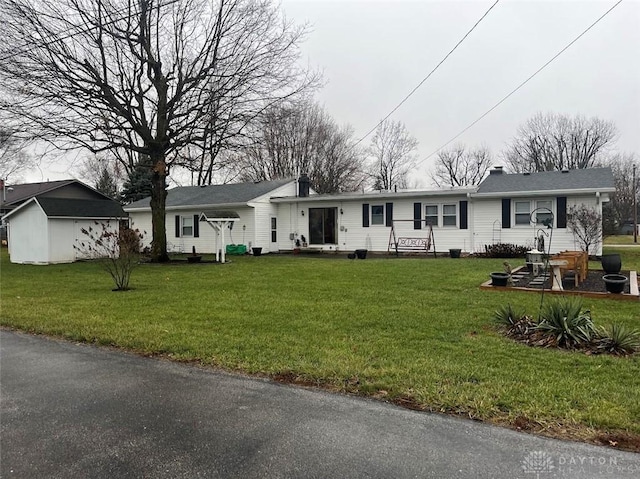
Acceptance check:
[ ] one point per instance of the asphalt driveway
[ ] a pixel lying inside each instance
(75, 411)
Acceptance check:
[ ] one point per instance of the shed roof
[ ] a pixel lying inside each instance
(80, 208)
(219, 214)
(593, 179)
(234, 193)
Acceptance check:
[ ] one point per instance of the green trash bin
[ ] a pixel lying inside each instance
(236, 249)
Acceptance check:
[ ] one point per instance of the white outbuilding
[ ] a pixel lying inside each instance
(44, 230)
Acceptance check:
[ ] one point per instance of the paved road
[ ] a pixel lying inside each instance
(77, 411)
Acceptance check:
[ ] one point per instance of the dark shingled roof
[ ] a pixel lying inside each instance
(214, 194)
(80, 208)
(18, 193)
(595, 179)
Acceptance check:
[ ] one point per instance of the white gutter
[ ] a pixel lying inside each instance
(371, 196)
(225, 206)
(502, 194)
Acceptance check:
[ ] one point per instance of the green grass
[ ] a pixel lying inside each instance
(619, 239)
(417, 330)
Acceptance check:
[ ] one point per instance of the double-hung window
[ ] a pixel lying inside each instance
(544, 213)
(186, 225)
(377, 214)
(431, 215)
(523, 212)
(449, 215)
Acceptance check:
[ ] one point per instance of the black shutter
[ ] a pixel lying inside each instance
(365, 215)
(196, 226)
(177, 226)
(506, 212)
(417, 216)
(389, 214)
(464, 212)
(561, 217)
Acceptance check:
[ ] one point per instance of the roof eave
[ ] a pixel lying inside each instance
(189, 207)
(372, 195)
(580, 191)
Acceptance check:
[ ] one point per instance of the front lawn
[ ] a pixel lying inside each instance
(415, 331)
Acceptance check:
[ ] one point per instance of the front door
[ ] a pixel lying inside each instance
(322, 225)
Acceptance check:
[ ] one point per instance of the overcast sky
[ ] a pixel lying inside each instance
(373, 53)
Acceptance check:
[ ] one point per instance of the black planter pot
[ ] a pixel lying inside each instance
(611, 263)
(256, 251)
(499, 279)
(455, 252)
(361, 253)
(615, 283)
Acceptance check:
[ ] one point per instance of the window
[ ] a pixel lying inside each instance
(431, 214)
(449, 215)
(544, 215)
(523, 211)
(377, 214)
(274, 229)
(187, 225)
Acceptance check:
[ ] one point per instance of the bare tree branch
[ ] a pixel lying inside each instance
(149, 77)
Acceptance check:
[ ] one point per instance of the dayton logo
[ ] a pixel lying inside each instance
(537, 462)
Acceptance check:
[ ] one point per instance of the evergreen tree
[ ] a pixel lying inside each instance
(106, 184)
(139, 183)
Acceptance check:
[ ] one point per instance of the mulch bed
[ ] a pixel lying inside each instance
(593, 284)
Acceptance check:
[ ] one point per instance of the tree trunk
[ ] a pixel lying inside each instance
(158, 216)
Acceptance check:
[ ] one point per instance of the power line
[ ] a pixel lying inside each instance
(80, 29)
(429, 75)
(520, 85)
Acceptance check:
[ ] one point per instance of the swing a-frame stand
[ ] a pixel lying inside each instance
(403, 239)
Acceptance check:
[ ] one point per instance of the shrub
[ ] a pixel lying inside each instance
(505, 250)
(618, 339)
(116, 248)
(507, 316)
(566, 325)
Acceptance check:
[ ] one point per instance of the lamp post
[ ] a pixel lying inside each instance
(635, 206)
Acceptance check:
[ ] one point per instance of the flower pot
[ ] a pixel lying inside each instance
(615, 283)
(256, 251)
(454, 252)
(611, 263)
(361, 253)
(499, 279)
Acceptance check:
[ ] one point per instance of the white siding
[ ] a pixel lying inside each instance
(28, 235)
(487, 227)
(62, 236)
(351, 234)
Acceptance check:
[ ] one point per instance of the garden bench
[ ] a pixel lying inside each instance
(577, 262)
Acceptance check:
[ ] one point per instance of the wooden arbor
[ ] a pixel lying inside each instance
(404, 239)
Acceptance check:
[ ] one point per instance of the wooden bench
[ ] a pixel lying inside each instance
(577, 261)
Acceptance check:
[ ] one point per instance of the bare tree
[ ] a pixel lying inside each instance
(620, 208)
(302, 138)
(458, 166)
(145, 76)
(550, 142)
(586, 224)
(14, 155)
(393, 154)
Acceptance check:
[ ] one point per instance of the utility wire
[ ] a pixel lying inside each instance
(81, 29)
(428, 76)
(520, 85)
